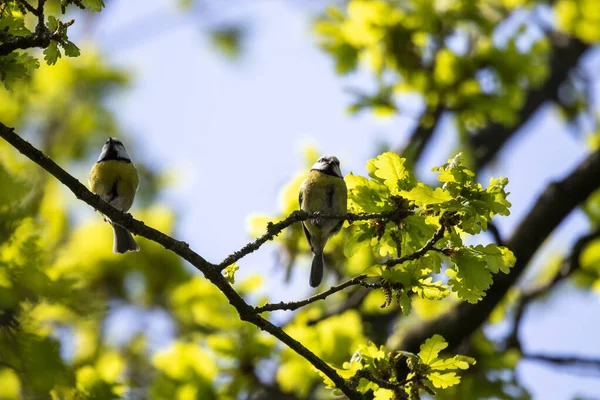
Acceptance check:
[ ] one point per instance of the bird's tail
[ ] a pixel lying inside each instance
(123, 240)
(316, 270)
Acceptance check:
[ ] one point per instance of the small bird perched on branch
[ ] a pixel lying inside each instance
(324, 191)
(115, 179)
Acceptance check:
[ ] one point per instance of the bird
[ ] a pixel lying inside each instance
(115, 179)
(324, 191)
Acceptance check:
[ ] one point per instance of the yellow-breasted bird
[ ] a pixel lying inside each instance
(115, 179)
(324, 191)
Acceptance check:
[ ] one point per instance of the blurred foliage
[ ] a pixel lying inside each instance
(445, 51)
(61, 289)
(229, 40)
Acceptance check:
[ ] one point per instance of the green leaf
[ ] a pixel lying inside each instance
(498, 258)
(405, 274)
(384, 394)
(13, 23)
(359, 238)
(429, 355)
(426, 289)
(229, 273)
(474, 268)
(390, 168)
(472, 278)
(454, 171)
(431, 349)
(405, 303)
(52, 53)
(70, 49)
(52, 23)
(375, 270)
(365, 195)
(16, 66)
(442, 381)
(456, 362)
(93, 5)
(371, 352)
(423, 195)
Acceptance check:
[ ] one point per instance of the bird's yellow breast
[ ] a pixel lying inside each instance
(106, 174)
(324, 193)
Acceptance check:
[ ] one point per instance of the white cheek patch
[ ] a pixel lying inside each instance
(319, 165)
(121, 152)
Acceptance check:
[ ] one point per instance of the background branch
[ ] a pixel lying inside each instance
(422, 134)
(564, 361)
(571, 264)
(353, 301)
(566, 53)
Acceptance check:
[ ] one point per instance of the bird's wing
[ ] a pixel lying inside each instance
(307, 234)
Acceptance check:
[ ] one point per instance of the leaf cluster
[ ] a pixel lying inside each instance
(409, 48)
(373, 369)
(45, 31)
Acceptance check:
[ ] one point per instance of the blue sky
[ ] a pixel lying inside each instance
(233, 132)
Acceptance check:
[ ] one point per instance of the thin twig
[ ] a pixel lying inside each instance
(396, 387)
(437, 236)
(570, 265)
(294, 305)
(28, 6)
(274, 229)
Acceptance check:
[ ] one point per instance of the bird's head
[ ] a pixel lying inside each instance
(329, 165)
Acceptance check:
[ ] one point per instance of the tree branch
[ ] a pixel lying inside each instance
(566, 53)
(211, 272)
(564, 361)
(421, 135)
(571, 264)
(40, 38)
(495, 232)
(554, 205)
(274, 229)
